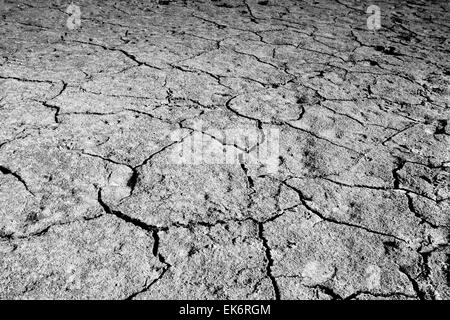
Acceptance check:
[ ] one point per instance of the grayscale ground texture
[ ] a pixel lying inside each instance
(91, 207)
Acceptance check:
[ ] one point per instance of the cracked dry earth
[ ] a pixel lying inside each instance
(91, 206)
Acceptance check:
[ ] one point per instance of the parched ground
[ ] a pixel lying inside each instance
(91, 205)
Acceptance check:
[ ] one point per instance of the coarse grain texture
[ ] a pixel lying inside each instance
(92, 207)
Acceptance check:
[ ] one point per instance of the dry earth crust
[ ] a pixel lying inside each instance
(91, 206)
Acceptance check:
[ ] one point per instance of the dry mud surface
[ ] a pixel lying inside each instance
(91, 205)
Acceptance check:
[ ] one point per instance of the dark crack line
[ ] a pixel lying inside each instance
(397, 133)
(6, 171)
(53, 107)
(27, 80)
(60, 92)
(328, 291)
(303, 200)
(234, 145)
(415, 285)
(400, 189)
(125, 53)
(269, 258)
(150, 229)
(419, 216)
(378, 294)
(136, 222)
(46, 229)
(160, 151)
(147, 287)
(322, 138)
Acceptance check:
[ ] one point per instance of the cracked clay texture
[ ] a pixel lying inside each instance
(92, 205)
